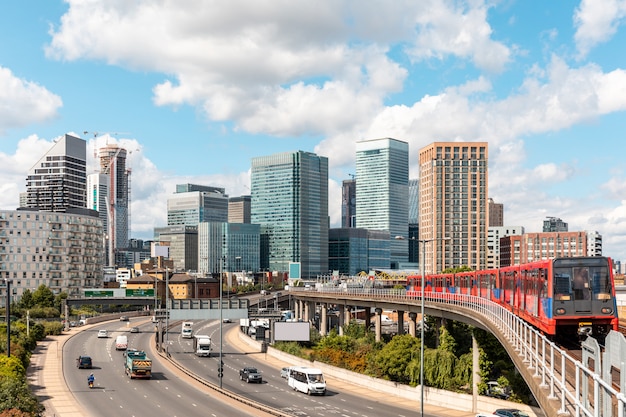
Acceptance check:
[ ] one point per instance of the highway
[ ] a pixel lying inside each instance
(171, 394)
(166, 394)
(274, 390)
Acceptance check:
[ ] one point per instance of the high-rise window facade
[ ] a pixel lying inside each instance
(382, 192)
(113, 165)
(58, 181)
(348, 203)
(192, 204)
(453, 204)
(290, 203)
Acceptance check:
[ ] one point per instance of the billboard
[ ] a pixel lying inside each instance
(292, 331)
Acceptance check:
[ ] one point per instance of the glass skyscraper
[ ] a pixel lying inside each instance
(290, 203)
(382, 192)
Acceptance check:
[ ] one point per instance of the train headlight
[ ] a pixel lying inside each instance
(607, 310)
(560, 311)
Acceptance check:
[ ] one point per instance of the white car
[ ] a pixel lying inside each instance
(103, 333)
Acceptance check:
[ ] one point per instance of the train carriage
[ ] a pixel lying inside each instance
(561, 296)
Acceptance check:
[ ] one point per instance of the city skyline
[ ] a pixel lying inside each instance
(193, 100)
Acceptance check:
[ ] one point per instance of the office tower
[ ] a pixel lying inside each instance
(496, 213)
(352, 250)
(228, 247)
(382, 192)
(192, 204)
(554, 224)
(113, 165)
(348, 203)
(58, 180)
(453, 204)
(414, 221)
(183, 245)
(290, 203)
(239, 209)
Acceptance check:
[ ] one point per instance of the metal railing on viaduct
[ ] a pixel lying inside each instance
(561, 384)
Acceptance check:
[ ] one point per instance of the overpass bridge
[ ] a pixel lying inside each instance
(561, 384)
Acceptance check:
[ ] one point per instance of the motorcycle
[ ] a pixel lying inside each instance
(90, 384)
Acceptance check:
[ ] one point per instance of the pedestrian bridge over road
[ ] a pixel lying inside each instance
(561, 384)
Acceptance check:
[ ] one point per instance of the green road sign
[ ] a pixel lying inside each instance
(98, 293)
(148, 292)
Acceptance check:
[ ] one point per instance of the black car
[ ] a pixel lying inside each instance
(250, 374)
(83, 362)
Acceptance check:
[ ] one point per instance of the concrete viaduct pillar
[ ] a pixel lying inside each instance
(377, 322)
(342, 318)
(400, 321)
(323, 319)
(412, 322)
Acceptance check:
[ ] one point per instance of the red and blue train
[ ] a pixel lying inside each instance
(561, 297)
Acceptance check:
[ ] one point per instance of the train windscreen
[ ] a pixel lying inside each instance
(582, 279)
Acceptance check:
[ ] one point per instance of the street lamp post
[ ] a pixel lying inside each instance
(423, 288)
(422, 242)
(220, 369)
(167, 311)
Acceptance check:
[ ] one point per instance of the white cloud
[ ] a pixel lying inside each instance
(458, 29)
(24, 102)
(277, 67)
(597, 22)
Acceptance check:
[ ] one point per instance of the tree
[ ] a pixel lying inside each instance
(26, 301)
(394, 356)
(43, 297)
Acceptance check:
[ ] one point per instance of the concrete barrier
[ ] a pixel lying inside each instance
(432, 396)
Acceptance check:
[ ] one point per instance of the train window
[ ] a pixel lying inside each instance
(600, 283)
(580, 284)
(562, 287)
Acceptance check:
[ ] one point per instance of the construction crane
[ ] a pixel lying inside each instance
(96, 134)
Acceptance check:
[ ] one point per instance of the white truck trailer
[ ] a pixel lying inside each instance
(187, 330)
(202, 345)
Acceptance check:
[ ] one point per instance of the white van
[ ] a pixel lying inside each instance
(121, 342)
(307, 380)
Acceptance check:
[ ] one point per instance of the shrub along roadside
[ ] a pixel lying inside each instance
(447, 357)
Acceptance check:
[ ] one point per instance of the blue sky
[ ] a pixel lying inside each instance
(195, 93)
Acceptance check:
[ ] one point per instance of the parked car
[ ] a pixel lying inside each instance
(250, 374)
(510, 412)
(103, 333)
(134, 329)
(83, 362)
(124, 318)
(227, 320)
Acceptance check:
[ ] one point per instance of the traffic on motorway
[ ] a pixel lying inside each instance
(135, 381)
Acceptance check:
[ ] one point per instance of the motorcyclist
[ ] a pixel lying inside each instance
(90, 379)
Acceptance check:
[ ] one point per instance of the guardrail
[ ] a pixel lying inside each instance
(565, 382)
